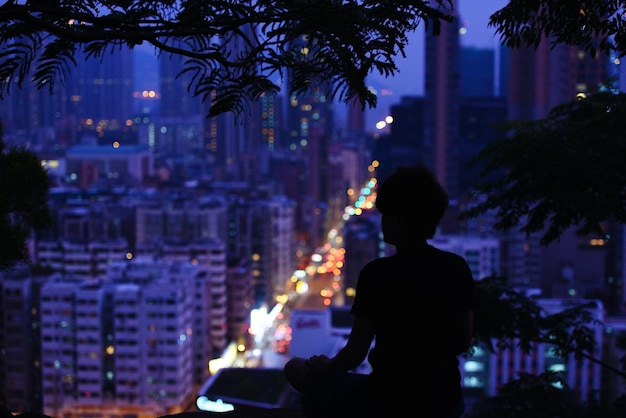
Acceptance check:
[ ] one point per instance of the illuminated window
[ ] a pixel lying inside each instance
(559, 367)
(473, 366)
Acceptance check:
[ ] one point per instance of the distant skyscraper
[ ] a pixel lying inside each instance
(356, 119)
(477, 118)
(311, 122)
(177, 98)
(263, 128)
(405, 144)
(29, 115)
(225, 135)
(20, 353)
(99, 92)
(543, 78)
(363, 243)
(477, 74)
(502, 72)
(179, 128)
(442, 88)
(219, 142)
(225, 141)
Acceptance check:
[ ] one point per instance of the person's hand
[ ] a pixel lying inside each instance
(318, 363)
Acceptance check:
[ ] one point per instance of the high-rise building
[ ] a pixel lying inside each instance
(405, 145)
(289, 172)
(126, 341)
(542, 78)
(363, 243)
(99, 95)
(310, 130)
(176, 92)
(443, 94)
(477, 119)
(240, 299)
(477, 75)
(356, 120)
(482, 254)
(93, 258)
(20, 367)
(80, 258)
(353, 158)
(30, 116)
(90, 214)
(273, 247)
(263, 128)
(181, 219)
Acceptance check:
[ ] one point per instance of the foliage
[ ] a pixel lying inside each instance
(24, 186)
(232, 50)
(564, 170)
(595, 26)
(505, 318)
(546, 395)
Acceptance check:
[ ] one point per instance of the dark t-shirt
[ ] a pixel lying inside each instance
(415, 300)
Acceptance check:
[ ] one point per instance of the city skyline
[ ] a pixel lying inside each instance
(149, 200)
(409, 80)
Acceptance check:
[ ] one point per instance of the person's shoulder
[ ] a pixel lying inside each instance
(448, 256)
(380, 263)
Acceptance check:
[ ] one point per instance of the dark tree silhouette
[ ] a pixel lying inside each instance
(561, 171)
(24, 186)
(595, 26)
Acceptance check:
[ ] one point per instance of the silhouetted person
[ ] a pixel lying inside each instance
(417, 308)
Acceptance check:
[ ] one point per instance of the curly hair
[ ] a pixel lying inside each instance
(415, 195)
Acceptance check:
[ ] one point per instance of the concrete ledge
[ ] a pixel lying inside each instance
(270, 413)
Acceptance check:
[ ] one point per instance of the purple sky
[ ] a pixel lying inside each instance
(410, 78)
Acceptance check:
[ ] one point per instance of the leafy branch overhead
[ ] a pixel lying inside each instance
(565, 170)
(595, 26)
(235, 51)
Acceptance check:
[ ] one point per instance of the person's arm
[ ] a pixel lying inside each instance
(352, 354)
(465, 335)
(467, 331)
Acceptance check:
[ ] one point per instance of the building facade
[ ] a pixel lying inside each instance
(127, 340)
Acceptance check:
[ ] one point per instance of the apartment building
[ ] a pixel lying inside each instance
(126, 340)
(482, 254)
(485, 371)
